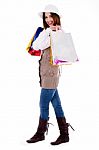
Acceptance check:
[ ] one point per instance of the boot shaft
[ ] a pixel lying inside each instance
(63, 126)
(42, 127)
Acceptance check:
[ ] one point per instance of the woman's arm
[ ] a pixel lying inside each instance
(43, 40)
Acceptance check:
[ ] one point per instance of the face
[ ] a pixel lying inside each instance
(48, 18)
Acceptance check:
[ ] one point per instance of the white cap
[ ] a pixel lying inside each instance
(50, 8)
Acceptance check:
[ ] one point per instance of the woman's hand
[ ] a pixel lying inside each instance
(55, 28)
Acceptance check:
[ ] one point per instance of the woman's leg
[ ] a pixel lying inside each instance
(45, 98)
(63, 126)
(57, 105)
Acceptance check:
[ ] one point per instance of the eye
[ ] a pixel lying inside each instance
(50, 15)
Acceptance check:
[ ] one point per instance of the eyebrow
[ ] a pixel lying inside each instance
(47, 16)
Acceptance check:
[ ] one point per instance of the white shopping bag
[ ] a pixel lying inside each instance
(62, 48)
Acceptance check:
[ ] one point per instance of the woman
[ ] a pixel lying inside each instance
(49, 79)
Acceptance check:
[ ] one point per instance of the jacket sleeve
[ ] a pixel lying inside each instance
(42, 41)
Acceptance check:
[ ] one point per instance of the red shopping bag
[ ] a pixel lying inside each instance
(34, 52)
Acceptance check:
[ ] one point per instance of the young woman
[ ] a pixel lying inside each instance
(49, 78)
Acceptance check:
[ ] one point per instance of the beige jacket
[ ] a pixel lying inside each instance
(49, 74)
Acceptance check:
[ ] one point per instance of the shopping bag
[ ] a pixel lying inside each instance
(62, 48)
(29, 46)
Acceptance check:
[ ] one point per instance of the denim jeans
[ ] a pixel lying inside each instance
(47, 96)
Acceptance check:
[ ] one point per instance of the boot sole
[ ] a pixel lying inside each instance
(34, 141)
(59, 143)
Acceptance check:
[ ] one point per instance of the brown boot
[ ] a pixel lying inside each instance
(64, 135)
(39, 135)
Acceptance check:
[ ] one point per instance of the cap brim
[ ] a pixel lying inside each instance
(41, 15)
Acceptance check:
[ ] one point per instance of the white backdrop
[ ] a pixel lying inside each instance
(19, 81)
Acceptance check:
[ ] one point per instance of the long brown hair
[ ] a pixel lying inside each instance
(55, 17)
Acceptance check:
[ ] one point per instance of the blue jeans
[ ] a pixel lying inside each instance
(47, 96)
